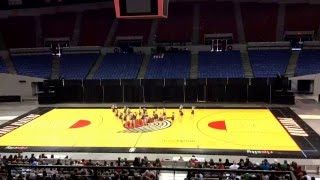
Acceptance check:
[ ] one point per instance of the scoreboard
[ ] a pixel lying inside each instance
(141, 9)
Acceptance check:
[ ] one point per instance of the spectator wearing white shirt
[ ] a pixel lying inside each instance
(234, 166)
(199, 177)
(265, 177)
(306, 176)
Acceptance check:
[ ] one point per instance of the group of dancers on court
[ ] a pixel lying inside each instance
(141, 118)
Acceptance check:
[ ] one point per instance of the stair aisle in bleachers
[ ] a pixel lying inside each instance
(291, 69)
(144, 66)
(55, 67)
(95, 67)
(7, 64)
(194, 66)
(246, 63)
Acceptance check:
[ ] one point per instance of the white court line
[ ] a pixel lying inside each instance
(7, 118)
(310, 116)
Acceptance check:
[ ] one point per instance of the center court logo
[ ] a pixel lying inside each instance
(155, 126)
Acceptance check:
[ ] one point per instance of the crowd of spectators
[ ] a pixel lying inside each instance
(86, 172)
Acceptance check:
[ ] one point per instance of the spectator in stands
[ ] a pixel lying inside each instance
(119, 161)
(32, 158)
(190, 164)
(43, 156)
(220, 166)
(265, 165)
(265, 176)
(277, 167)
(298, 171)
(4, 159)
(306, 176)
(83, 162)
(136, 162)
(145, 159)
(227, 163)
(211, 163)
(246, 176)
(194, 159)
(199, 176)
(90, 163)
(180, 158)
(157, 163)
(58, 162)
(206, 164)
(241, 164)
(125, 162)
(234, 165)
(148, 175)
(285, 165)
(143, 163)
(247, 164)
(20, 156)
(10, 158)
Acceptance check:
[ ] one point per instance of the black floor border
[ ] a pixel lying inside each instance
(39, 111)
(310, 145)
(161, 107)
(250, 153)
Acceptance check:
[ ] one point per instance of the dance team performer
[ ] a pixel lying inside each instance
(141, 118)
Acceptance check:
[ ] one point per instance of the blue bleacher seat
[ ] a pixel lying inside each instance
(76, 66)
(172, 66)
(3, 68)
(119, 66)
(33, 65)
(220, 65)
(308, 63)
(269, 63)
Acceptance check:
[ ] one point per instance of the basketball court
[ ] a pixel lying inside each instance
(248, 131)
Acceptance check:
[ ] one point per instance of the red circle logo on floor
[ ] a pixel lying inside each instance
(221, 125)
(80, 124)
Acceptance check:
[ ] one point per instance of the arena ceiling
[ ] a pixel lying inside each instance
(21, 4)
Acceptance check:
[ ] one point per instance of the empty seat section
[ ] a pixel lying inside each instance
(76, 66)
(3, 68)
(138, 27)
(217, 18)
(33, 65)
(259, 21)
(119, 66)
(178, 26)
(220, 65)
(269, 63)
(171, 66)
(19, 32)
(58, 25)
(308, 63)
(302, 17)
(95, 27)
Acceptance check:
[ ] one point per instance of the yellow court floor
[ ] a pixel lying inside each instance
(229, 129)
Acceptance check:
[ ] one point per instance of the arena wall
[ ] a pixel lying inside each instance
(313, 77)
(17, 85)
